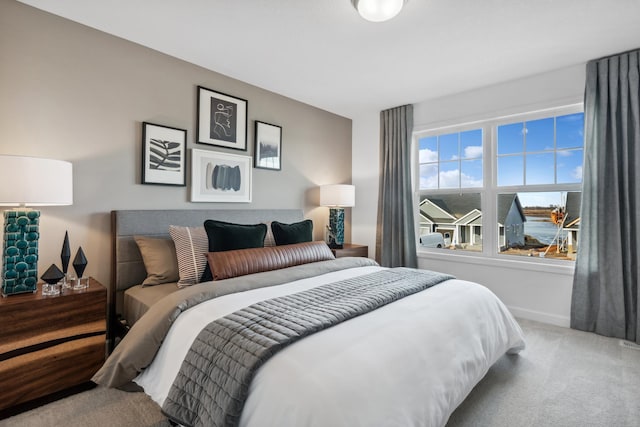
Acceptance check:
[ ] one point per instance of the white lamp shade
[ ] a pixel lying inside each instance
(378, 10)
(32, 181)
(339, 195)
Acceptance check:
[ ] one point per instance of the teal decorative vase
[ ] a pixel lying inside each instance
(20, 252)
(336, 225)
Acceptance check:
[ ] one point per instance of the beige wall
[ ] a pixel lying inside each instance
(73, 93)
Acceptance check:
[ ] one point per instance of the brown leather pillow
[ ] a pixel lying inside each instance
(240, 262)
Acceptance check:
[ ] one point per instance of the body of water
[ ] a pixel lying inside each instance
(542, 229)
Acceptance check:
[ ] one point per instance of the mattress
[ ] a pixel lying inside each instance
(138, 299)
(409, 363)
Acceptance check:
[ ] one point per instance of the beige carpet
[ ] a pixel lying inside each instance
(564, 378)
(96, 407)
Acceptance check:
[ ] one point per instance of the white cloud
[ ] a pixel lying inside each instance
(473, 151)
(564, 153)
(429, 176)
(577, 172)
(427, 156)
(468, 181)
(450, 179)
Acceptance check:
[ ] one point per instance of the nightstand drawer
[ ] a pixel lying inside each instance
(31, 315)
(52, 369)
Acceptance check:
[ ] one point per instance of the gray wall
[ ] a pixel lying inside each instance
(73, 93)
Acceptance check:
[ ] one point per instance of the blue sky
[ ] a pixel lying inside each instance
(528, 154)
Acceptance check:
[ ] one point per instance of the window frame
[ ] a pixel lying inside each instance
(490, 190)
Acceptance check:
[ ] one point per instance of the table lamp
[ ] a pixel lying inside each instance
(337, 197)
(24, 182)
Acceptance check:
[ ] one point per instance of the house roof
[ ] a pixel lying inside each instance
(572, 207)
(572, 210)
(425, 218)
(450, 208)
(473, 217)
(504, 205)
(447, 208)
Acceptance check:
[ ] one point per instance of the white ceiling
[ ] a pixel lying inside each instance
(322, 53)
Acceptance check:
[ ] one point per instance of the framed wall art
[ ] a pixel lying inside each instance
(220, 177)
(164, 155)
(268, 146)
(222, 119)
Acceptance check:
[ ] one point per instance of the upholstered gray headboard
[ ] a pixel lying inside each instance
(127, 266)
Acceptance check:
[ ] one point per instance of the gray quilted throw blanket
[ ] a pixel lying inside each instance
(213, 383)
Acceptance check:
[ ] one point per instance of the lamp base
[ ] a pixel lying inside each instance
(336, 228)
(334, 245)
(20, 252)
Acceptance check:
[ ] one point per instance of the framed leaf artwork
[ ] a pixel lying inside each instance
(164, 153)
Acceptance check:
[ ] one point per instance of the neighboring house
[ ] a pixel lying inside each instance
(511, 221)
(572, 221)
(456, 217)
(459, 219)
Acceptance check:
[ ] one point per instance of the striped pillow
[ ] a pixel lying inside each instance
(269, 240)
(192, 245)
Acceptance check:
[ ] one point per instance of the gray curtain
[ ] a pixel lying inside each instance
(605, 285)
(396, 239)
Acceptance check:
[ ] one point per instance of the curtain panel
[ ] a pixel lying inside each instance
(605, 286)
(395, 237)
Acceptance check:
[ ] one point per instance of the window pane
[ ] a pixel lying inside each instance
(449, 147)
(451, 221)
(539, 224)
(428, 149)
(569, 166)
(471, 144)
(539, 135)
(540, 169)
(449, 175)
(510, 138)
(429, 175)
(471, 173)
(510, 170)
(570, 131)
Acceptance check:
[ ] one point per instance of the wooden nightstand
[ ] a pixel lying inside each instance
(351, 250)
(50, 343)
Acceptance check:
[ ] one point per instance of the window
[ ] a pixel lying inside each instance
(451, 161)
(543, 151)
(504, 187)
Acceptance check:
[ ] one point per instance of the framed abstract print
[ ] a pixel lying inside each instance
(222, 119)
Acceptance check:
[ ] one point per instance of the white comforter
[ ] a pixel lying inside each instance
(410, 363)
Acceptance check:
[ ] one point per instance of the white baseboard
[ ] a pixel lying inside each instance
(539, 316)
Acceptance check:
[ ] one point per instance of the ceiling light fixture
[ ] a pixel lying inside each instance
(378, 10)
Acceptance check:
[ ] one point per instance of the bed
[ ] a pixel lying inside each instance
(410, 361)
(127, 299)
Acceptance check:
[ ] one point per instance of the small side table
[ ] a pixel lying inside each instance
(350, 249)
(50, 343)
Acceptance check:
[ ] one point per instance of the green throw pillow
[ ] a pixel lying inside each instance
(289, 234)
(226, 236)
